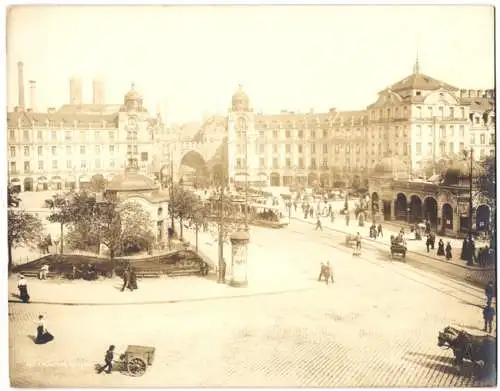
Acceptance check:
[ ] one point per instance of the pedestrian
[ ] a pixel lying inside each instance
(322, 270)
(489, 291)
(126, 279)
(440, 251)
(332, 216)
(108, 360)
(44, 271)
(463, 254)
(357, 251)
(488, 315)
(318, 224)
(22, 286)
(330, 270)
(42, 335)
(326, 272)
(448, 251)
(133, 279)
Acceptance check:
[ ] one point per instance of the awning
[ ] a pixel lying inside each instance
(15, 180)
(42, 179)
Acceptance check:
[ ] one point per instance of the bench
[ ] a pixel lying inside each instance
(36, 274)
(184, 272)
(148, 274)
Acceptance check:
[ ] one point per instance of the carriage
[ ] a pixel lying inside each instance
(398, 247)
(136, 359)
(350, 240)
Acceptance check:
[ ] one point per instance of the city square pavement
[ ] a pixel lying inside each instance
(376, 325)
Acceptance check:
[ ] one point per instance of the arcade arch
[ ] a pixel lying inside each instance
(447, 216)
(483, 218)
(431, 210)
(193, 169)
(400, 207)
(415, 206)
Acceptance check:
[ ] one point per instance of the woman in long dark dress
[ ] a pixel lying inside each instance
(463, 253)
(42, 335)
(22, 285)
(440, 251)
(448, 251)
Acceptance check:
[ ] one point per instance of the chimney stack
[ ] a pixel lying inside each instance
(20, 84)
(32, 84)
(75, 91)
(98, 92)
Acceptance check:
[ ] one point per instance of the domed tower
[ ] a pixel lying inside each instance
(240, 101)
(133, 100)
(243, 160)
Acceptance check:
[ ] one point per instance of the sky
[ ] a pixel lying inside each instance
(187, 61)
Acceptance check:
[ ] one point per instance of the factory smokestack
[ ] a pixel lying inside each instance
(98, 92)
(32, 84)
(20, 84)
(75, 91)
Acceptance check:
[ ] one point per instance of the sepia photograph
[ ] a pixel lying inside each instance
(251, 196)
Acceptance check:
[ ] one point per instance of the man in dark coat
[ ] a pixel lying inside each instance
(108, 360)
(488, 315)
(126, 279)
(133, 279)
(489, 291)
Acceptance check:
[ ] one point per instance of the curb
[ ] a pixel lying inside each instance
(196, 299)
(370, 240)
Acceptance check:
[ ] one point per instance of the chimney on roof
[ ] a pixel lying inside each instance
(20, 84)
(98, 92)
(32, 84)
(75, 91)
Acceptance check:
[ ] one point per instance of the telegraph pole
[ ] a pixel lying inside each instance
(470, 192)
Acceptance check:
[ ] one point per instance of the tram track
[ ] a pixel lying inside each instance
(463, 287)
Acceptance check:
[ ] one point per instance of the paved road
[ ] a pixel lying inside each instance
(376, 326)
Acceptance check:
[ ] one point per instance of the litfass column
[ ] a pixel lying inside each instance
(239, 244)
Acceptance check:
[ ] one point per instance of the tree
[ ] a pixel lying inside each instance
(13, 199)
(487, 182)
(76, 211)
(23, 229)
(62, 213)
(183, 205)
(98, 183)
(120, 225)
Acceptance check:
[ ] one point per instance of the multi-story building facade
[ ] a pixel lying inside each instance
(419, 119)
(64, 148)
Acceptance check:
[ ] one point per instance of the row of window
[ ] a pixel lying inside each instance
(287, 163)
(68, 135)
(53, 149)
(71, 164)
(131, 148)
(441, 148)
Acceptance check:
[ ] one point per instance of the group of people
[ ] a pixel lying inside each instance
(129, 279)
(376, 231)
(326, 271)
(444, 252)
(482, 257)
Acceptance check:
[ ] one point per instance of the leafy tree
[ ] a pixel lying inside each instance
(183, 204)
(122, 225)
(23, 229)
(487, 183)
(62, 212)
(76, 211)
(98, 183)
(13, 199)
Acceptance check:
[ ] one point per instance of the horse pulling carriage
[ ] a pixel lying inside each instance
(475, 348)
(398, 247)
(136, 359)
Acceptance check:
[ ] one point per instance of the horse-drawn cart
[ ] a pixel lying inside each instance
(398, 247)
(350, 240)
(137, 358)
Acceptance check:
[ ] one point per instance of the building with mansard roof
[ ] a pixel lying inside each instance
(64, 148)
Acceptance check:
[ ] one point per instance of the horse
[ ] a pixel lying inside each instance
(475, 348)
